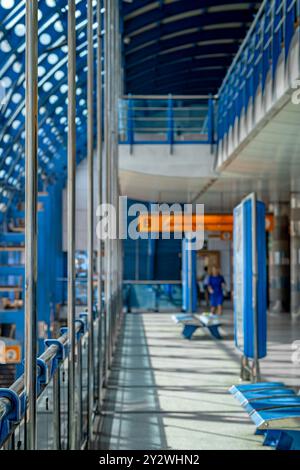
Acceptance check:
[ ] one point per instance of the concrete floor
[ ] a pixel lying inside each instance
(168, 393)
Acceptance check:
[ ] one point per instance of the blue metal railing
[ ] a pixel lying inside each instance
(52, 405)
(270, 35)
(206, 119)
(167, 120)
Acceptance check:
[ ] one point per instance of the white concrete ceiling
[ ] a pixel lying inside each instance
(269, 164)
(153, 173)
(156, 188)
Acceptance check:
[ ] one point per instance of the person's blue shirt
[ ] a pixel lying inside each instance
(216, 283)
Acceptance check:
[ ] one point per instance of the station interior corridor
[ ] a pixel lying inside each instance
(167, 393)
(149, 161)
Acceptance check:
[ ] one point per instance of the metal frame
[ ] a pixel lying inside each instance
(71, 218)
(107, 141)
(252, 372)
(48, 371)
(31, 194)
(90, 215)
(100, 195)
(163, 129)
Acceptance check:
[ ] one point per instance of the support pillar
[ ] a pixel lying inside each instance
(71, 194)
(295, 254)
(279, 260)
(31, 227)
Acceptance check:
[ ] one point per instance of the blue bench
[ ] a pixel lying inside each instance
(275, 411)
(191, 323)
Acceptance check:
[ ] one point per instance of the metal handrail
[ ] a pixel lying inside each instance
(166, 97)
(244, 45)
(18, 387)
(167, 119)
(269, 36)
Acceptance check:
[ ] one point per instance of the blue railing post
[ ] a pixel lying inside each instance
(170, 132)
(130, 123)
(211, 120)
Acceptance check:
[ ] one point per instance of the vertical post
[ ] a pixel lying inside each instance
(255, 369)
(79, 397)
(100, 195)
(107, 139)
(31, 193)
(211, 121)
(130, 124)
(170, 123)
(113, 91)
(137, 260)
(190, 274)
(71, 220)
(56, 410)
(90, 215)
(113, 167)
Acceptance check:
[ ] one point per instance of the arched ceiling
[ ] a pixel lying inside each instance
(182, 46)
(52, 70)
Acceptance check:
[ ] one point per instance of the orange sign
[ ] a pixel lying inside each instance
(10, 353)
(159, 223)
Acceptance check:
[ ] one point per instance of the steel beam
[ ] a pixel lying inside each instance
(31, 231)
(107, 140)
(90, 214)
(100, 194)
(71, 220)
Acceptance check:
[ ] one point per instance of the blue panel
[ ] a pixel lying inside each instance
(188, 264)
(252, 387)
(268, 392)
(243, 280)
(167, 260)
(258, 405)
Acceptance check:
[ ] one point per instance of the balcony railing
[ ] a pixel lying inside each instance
(167, 120)
(269, 37)
(52, 405)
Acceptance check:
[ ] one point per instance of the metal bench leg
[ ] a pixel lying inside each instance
(214, 331)
(278, 439)
(188, 331)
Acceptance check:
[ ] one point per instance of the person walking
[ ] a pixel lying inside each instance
(216, 286)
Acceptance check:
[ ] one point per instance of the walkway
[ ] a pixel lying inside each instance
(169, 393)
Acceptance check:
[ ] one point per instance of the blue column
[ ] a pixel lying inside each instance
(130, 122)
(211, 120)
(44, 270)
(170, 121)
(189, 277)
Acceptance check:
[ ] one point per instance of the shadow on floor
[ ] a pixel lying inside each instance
(131, 392)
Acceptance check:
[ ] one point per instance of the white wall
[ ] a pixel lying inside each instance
(81, 207)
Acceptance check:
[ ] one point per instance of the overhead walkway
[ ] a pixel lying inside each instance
(257, 117)
(165, 392)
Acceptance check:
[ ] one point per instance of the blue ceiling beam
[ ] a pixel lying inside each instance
(193, 51)
(157, 15)
(199, 22)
